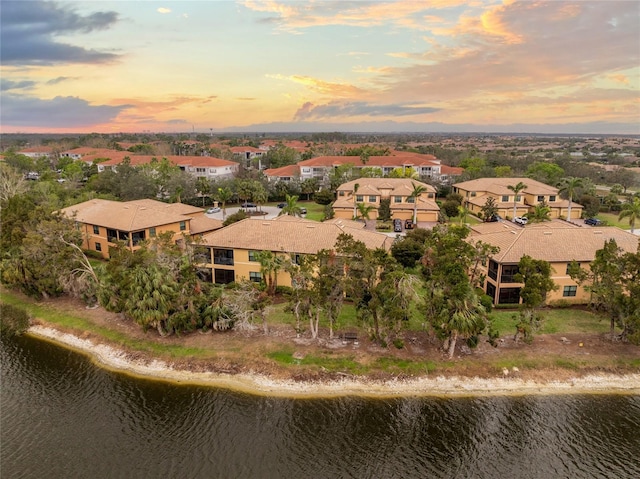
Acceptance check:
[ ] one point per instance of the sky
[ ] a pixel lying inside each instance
(248, 65)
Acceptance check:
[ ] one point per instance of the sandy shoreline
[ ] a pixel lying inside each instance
(117, 360)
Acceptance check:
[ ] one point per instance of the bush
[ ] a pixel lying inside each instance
(284, 290)
(324, 197)
(13, 320)
(398, 343)
(450, 208)
(234, 218)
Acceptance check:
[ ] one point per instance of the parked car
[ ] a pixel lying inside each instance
(213, 210)
(248, 205)
(593, 222)
(408, 224)
(397, 226)
(521, 220)
(303, 211)
(281, 205)
(493, 219)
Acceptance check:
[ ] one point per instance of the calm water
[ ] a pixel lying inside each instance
(61, 417)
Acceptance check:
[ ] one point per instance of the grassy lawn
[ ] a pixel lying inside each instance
(611, 219)
(565, 320)
(315, 211)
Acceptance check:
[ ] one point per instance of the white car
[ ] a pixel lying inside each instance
(521, 220)
(213, 210)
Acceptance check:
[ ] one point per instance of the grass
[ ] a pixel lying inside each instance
(565, 320)
(315, 211)
(611, 219)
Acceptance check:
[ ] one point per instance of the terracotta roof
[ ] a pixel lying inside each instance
(288, 170)
(555, 244)
(499, 186)
(117, 157)
(385, 183)
(388, 161)
(124, 216)
(202, 224)
(177, 208)
(291, 236)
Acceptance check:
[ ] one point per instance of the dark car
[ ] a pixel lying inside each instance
(493, 219)
(248, 205)
(281, 205)
(408, 224)
(592, 222)
(397, 226)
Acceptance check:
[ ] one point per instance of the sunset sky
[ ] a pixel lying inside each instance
(441, 65)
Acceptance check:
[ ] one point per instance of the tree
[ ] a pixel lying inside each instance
(489, 209)
(12, 183)
(270, 265)
(569, 186)
(309, 186)
(327, 287)
(384, 210)
(223, 195)
(203, 187)
(415, 194)
(364, 211)
(291, 207)
(631, 210)
(541, 212)
(356, 187)
(536, 276)
(517, 188)
(545, 171)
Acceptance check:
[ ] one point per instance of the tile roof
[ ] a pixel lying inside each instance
(124, 216)
(384, 183)
(288, 170)
(202, 224)
(388, 161)
(555, 243)
(499, 186)
(290, 235)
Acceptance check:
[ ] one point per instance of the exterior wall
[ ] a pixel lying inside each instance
(243, 267)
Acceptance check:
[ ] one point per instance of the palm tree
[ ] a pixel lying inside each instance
(569, 186)
(270, 264)
(364, 211)
(223, 195)
(415, 194)
(631, 210)
(355, 190)
(516, 189)
(291, 208)
(541, 212)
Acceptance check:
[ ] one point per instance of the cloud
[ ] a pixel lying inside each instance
(28, 31)
(55, 81)
(163, 10)
(6, 85)
(321, 86)
(309, 111)
(58, 112)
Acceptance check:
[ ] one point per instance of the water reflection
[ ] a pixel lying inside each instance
(63, 417)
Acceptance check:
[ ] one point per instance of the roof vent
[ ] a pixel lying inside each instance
(311, 226)
(598, 232)
(266, 224)
(546, 233)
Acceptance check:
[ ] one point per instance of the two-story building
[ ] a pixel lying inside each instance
(476, 192)
(371, 191)
(557, 242)
(231, 252)
(106, 223)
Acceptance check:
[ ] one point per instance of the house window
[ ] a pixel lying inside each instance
(98, 247)
(491, 291)
(96, 230)
(505, 198)
(411, 199)
(493, 270)
(397, 199)
(201, 170)
(152, 232)
(252, 255)
(473, 193)
(509, 296)
(212, 170)
(296, 258)
(137, 237)
(517, 198)
(552, 198)
(359, 198)
(255, 277)
(372, 199)
(112, 235)
(183, 225)
(430, 195)
(123, 236)
(569, 291)
(540, 198)
(509, 271)
(223, 256)
(341, 193)
(224, 276)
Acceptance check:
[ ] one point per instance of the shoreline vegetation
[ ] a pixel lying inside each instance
(254, 364)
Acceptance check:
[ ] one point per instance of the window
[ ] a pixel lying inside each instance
(152, 232)
(509, 296)
(96, 230)
(540, 198)
(137, 237)
(223, 256)
(493, 269)
(212, 170)
(201, 170)
(411, 199)
(505, 198)
(123, 236)
(359, 198)
(296, 258)
(509, 272)
(552, 198)
(569, 291)
(224, 276)
(252, 255)
(183, 225)
(98, 247)
(372, 199)
(491, 291)
(517, 198)
(255, 277)
(473, 193)
(112, 235)
(341, 193)
(430, 195)
(397, 199)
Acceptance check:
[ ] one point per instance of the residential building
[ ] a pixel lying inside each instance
(231, 251)
(284, 173)
(476, 192)
(104, 222)
(557, 242)
(199, 166)
(371, 191)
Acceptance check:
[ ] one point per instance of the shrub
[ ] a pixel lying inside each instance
(13, 320)
(398, 343)
(234, 218)
(324, 197)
